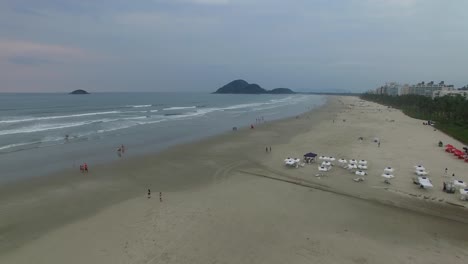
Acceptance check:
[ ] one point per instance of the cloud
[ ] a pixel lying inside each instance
(33, 53)
(395, 3)
(208, 2)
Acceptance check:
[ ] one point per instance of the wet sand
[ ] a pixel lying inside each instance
(225, 200)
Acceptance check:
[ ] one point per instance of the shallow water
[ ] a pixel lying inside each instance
(42, 133)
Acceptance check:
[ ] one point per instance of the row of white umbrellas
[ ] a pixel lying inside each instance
(353, 161)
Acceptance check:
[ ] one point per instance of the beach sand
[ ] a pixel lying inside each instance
(225, 200)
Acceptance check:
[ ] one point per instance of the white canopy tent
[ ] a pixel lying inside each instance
(360, 172)
(362, 167)
(424, 182)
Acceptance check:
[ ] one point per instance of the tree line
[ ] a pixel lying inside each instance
(449, 112)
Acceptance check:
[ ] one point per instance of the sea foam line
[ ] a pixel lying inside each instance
(57, 117)
(179, 108)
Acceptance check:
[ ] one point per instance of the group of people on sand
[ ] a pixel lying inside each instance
(121, 150)
(84, 168)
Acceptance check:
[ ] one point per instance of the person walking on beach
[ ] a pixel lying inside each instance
(81, 169)
(266, 149)
(453, 174)
(149, 193)
(270, 148)
(378, 144)
(85, 166)
(122, 148)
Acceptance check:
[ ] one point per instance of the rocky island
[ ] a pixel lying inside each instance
(243, 87)
(79, 92)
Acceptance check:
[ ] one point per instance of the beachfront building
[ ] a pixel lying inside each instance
(392, 89)
(450, 92)
(404, 90)
(428, 89)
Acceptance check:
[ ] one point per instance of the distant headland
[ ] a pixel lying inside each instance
(79, 92)
(243, 87)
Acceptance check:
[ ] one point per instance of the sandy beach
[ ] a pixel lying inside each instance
(226, 200)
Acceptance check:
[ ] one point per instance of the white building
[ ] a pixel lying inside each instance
(450, 92)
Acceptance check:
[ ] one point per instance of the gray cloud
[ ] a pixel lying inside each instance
(155, 45)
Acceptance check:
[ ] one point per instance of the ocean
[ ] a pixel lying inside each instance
(43, 133)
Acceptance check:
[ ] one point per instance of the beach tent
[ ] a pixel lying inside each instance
(322, 168)
(310, 155)
(421, 173)
(459, 184)
(424, 182)
(464, 194)
(388, 176)
(362, 167)
(291, 162)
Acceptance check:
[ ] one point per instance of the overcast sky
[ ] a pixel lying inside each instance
(199, 45)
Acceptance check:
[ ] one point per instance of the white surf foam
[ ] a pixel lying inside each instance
(57, 117)
(138, 106)
(179, 108)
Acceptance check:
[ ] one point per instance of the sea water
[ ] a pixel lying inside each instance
(42, 133)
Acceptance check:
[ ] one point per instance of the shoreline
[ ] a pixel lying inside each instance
(117, 181)
(219, 177)
(141, 140)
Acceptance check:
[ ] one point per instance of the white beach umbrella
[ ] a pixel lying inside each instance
(421, 173)
(322, 157)
(388, 175)
(388, 169)
(326, 164)
(362, 167)
(363, 162)
(331, 159)
(352, 161)
(459, 184)
(360, 172)
(419, 167)
(352, 166)
(322, 168)
(342, 161)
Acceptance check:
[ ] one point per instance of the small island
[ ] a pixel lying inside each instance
(243, 87)
(79, 92)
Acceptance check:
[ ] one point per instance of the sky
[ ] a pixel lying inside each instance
(200, 45)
